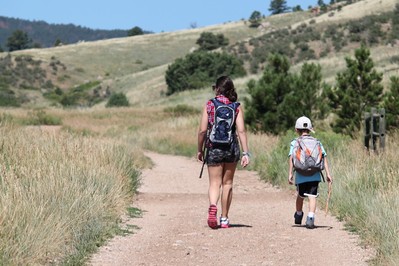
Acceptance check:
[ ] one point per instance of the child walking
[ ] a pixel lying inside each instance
(307, 185)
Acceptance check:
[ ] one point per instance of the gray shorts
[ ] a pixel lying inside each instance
(223, 154)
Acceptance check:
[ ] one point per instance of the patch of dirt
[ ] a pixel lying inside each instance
(173, 229)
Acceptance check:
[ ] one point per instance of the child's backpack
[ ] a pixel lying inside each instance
(223, 129)
(307, 156)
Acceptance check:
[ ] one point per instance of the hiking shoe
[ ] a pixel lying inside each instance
(298, 218)
(224, 222)
(310, 222)
(212, 220)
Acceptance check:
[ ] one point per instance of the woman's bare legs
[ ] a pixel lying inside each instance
(215, 182)
(227, 187)
(221, 176)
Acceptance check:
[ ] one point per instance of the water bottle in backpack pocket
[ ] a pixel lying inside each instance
(307, 156)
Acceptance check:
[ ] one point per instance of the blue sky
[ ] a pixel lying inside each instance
(150, 15)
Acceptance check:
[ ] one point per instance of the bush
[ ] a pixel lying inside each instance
(118, 100)
(209, 41)
(181, 110)
(40, 117)
(8, 98)
(199, 69)
(80, 95)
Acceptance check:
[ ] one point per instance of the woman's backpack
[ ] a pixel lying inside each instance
(307, 156)
(223, 129)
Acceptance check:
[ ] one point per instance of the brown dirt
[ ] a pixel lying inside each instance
(173, 229)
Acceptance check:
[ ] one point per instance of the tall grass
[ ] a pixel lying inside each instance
(367, 196)
(365, 192)
(60, 195)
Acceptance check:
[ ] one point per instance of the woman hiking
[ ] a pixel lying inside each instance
(222, 147)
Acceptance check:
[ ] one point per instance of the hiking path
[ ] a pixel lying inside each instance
(173, 228)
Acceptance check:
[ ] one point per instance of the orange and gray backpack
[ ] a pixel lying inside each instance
(307, 156)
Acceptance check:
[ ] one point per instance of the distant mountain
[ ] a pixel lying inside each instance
(44, 34)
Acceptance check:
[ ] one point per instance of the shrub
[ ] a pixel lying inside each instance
(81, 95)
(209, 41)
(8, 98)
(40, 117)
(117, 100)
(181, 110)
(199, 69)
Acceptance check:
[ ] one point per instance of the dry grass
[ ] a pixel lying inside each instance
(365, 189)
(58, 193)
(357, 10)
(366, 196)
(57, 183)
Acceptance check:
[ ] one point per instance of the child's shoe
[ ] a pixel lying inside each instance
(224, 222)
(298, 218)
(310, 222)
(212, 214)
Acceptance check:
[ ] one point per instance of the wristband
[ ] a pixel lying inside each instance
(246, 154)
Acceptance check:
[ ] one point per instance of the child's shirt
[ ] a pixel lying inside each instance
(301, 178)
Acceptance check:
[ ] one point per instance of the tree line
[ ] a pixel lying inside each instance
(279, 96)
(40, 34)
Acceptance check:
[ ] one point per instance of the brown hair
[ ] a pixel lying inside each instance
(303, 130)
(225, 86)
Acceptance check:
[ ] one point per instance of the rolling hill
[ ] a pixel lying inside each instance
(136, 65)
(44, 34)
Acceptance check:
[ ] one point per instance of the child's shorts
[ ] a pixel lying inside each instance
(308, 189)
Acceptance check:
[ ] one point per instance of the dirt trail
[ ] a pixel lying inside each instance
(173, 229)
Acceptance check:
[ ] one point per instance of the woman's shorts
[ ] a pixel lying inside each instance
(223, 154)
(308, 189)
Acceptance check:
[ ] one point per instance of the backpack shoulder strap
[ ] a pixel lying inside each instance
(214, 101)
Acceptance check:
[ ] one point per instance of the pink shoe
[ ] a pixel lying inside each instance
(212, 213)
(224, 222)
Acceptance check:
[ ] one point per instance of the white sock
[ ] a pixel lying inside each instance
(311, 214)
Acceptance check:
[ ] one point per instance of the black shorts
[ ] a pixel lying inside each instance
(308, 189)
(223, 154)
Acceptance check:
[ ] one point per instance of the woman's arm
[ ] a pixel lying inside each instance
(203, 127)
(242, 135)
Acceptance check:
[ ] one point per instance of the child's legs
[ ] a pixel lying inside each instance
(215, 181)
(299, 203)
(312, 204)
(309, 190)
(227, 187)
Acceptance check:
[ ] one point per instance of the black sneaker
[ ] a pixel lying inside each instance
(310, 222)
(298, 218)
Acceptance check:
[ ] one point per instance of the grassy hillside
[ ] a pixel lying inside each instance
(131, 64)
(136, 65)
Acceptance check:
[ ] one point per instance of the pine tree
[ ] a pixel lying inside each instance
(391, 104)
(358, 89)
(264, 109)
(309, 87)
(278, 7)
(280, 97)
(255, 19)
(19, 40)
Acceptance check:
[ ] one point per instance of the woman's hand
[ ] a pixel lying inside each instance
(245, 160)
(200, 156)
